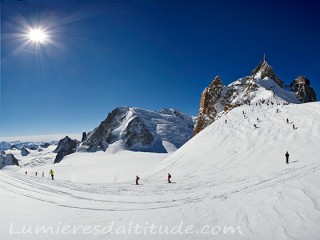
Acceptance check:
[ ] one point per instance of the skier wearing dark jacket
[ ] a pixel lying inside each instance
(169, 178)
(137, 180)
(287, 157)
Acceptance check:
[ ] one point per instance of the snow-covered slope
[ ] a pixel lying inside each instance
(240, 170)
(236, 148)
(229, 175)
(140, 130)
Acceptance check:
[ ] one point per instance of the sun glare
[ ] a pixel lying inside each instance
(37, 36)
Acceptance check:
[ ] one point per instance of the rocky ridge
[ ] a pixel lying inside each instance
(218, 99)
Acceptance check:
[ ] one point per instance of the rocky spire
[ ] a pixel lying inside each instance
(209, 98)
(265, 70)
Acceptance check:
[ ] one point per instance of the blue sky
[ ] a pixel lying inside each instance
(144, 53)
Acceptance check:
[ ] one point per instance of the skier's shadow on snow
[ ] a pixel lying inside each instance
(295, 161)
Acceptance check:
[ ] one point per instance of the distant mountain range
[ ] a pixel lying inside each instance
(134, 129)
(5, 145)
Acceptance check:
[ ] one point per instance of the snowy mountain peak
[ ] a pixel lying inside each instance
(264, 70)
(262, 85)
(137, 129)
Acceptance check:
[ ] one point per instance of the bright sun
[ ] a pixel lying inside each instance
(37, 36)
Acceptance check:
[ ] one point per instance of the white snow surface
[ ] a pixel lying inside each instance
(230, 174)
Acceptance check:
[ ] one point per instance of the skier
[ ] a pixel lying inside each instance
(42, 174)
(52, 174)
(255, 126)
(36, 173)
(277, 110)
(137, 180)
(287, 157)
(225, 121)
(26, 172)
(294, 127)
(287, 120)
(169, 177)
(257, 119)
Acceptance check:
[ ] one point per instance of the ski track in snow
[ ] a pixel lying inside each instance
(128, 197)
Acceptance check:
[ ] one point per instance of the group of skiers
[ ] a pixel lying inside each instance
(51, 172)
(262, 101)
(138, 178)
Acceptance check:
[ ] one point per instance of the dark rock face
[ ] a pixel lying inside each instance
(136, 133)
(13, 147)
(32, 146)
(45, 145)
(84, 137)
(24, 152)
(102, 135)
(7, 160)
(65, 147)
(301, 87)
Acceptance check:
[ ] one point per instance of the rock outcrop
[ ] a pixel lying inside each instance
(65, 147)
(209, 104)
(217, 99)
(301, 87)
(45, 145)
(102, 135)
(137, 133)
(7, 160)
(84, 137)
(24, 152)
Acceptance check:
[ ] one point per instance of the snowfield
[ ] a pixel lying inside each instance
(229, 176)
